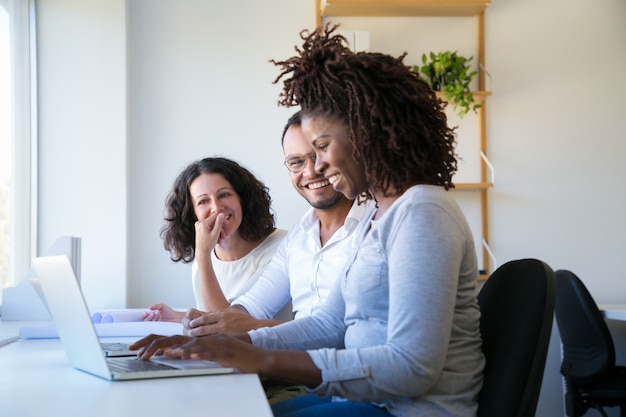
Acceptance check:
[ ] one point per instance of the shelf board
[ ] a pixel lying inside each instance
(470, 186)
(479, 96)
(403, 7)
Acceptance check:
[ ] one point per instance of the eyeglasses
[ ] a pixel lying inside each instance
(296, 163)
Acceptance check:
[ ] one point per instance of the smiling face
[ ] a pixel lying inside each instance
(314, 187)
(212, 193)
(330, 139)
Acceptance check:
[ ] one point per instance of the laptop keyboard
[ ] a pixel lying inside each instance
(114, 347)
(121, 365)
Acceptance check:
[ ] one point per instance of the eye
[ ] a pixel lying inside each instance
(295, 163)
(225, 194)
(322, 146)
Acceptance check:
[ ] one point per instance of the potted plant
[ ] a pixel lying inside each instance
(449, 73)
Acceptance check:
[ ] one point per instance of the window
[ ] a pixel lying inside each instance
(17, 139)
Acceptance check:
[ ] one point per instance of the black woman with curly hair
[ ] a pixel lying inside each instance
(399, 335)
(218, 216)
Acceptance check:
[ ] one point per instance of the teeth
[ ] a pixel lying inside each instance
(318, 185)
(333, 179)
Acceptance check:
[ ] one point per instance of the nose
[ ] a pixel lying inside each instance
(320, 165)
(215, 207)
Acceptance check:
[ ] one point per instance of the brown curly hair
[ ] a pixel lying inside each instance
(398, 127)
(179, 233)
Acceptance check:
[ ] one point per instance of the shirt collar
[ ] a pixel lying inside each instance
(355, 215)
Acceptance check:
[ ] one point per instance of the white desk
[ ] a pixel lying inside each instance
(613, 311)
(36, 379)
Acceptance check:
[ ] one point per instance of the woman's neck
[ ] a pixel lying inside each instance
(383, 202)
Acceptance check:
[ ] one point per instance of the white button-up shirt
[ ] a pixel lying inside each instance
(302, 271)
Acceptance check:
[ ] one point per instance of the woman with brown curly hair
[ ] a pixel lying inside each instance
(399, 335)
(218, 216)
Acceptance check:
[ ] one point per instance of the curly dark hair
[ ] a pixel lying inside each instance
(397, 124)
(179, 233)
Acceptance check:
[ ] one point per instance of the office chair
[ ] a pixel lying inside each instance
(588, 367)
(517, 306)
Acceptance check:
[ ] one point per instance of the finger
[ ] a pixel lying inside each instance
(209, 222)
(190, 324)
(147, 352)
(141, 343)
(177, 352)
(193, 313)
(201, 331)
(158, 346)
(185, 322)
(191, 350)
(207, 348)
(219, 221)
(212, 225)
(195, 322)
(203, 320)
(153, 316)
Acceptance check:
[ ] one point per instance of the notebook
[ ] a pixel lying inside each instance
(80, 341)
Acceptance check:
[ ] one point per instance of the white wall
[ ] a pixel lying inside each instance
(200, 84)
(130, 92)
(555, 136)
(82, 138)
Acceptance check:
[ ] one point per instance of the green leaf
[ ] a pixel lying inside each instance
(449, 72)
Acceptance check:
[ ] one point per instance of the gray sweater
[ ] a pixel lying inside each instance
(401, 329)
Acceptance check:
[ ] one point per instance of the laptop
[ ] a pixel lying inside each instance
(80, 341)
(109, 348)
(113, 349)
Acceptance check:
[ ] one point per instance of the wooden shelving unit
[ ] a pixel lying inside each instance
(479, 96)
(402, 7)
(433, 8)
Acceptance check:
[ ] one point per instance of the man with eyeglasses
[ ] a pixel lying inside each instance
(309, 259)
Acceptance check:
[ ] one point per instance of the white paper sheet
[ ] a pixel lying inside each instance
(126, 329)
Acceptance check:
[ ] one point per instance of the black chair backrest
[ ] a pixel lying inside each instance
(588, 350)
(517, 306)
